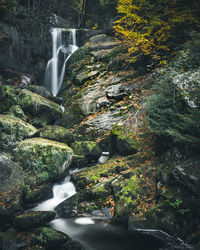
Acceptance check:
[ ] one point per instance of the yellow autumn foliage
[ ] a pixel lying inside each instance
(155, 27)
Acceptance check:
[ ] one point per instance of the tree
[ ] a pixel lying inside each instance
(155, 27)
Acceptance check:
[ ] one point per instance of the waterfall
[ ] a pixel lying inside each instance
(55, 69)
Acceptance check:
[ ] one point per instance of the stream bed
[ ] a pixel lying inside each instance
(96, 233)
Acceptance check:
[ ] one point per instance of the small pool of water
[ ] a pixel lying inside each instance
(98, 235)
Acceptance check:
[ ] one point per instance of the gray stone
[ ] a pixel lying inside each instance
(101, 42)
(11, 175)
(11, 188)
(118, 91)
(85, 75)
(99, 125)
(33, 219)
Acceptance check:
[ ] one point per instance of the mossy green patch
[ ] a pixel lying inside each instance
(124, 141)
(45, 159)
(13, 130)
(88, 149)
(49, 237)
(57, 133)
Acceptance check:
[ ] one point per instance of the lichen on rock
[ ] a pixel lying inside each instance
(45, 159)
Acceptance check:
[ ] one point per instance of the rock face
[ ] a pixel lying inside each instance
(17, 49)
(90, 97)
(13, 130)
(11, 188)
(45, 159)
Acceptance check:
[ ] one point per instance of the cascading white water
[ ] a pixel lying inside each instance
(54, 74)
(61, 192)
(72, 48)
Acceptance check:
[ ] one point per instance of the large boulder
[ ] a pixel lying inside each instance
(17, 111)
(57, 133)
(123, 142)
(45, 159)
(11, 188)
(13, 130)
(8, 97)
(46, 110)
(32, 219)
(49, 237)
(89, 149)
(39, 110)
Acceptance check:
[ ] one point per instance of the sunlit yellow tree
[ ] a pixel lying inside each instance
(155, 27)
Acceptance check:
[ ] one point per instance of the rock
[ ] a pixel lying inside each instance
(100, 54)
(11, 188)
(101, 42)
(188, 175)
(5, 42)
(158, 238)
(32, 219)
(79, 161)
(13, 130)
(72, 116)
(34, 105)
(102, 103)
(17, 112)
(85, 76)
(125, 143)
(40, 90)
(118, 91)
(45, 159)
(26, 80)
(8, 97)
(9, 240)
(57, 133)
(86, 204)
(38, 193)
(68, 208)
(50, 238)
(98, 126)
(40, 107)
(75, 245)
(88, 149)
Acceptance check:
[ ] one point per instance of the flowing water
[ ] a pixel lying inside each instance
(55, 70)
(91, 233)
(96, 233)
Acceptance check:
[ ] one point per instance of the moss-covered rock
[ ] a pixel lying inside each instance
(73, 115)
(13, 130)
(32, 219)
(49, 237)
(45, 159)
(57, 133)
(88, 149)
(84, 76)
(8, 97)
(39, 106)
(79, 161)
(38, 193)
(123, 142)
(17, 112)
(11, 188)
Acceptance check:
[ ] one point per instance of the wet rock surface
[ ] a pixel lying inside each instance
(31, 219)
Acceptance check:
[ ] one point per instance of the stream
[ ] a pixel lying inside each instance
(96, 233)
(93, 234)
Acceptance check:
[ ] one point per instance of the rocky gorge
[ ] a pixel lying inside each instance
(149, 186)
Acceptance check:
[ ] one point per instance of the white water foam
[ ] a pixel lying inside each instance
(54, 75)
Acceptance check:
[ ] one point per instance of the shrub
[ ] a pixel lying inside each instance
(173, 110)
